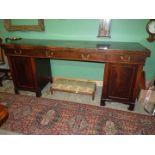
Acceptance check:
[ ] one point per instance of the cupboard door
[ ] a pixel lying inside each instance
(119, 82)
(23, 72)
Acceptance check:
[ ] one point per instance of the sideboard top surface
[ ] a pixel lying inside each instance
(102, 45)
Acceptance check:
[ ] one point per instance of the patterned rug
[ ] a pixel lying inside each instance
(31, 115)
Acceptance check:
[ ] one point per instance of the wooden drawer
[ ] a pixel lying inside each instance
(75, 54)
(129, 59)
(25, 52)
(60, 53)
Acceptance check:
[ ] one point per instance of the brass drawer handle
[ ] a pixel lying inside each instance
(52, 50)
(125, 59)
(85, 56)
(49, 53)
(18, 52)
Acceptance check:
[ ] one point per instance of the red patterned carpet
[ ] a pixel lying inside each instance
(31, 115)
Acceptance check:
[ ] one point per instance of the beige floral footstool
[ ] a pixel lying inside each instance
(74, 86)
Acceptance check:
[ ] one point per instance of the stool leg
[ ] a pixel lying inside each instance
(16, 91)
(51, 91)
(93, 96)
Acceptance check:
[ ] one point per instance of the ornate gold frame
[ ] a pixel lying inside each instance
(10, 27)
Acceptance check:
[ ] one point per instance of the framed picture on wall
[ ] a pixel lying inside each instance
(104, 28)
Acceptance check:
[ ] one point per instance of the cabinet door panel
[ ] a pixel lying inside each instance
(120, 79)
(23, 73)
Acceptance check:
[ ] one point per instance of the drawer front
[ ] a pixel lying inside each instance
(9, 51)
(76, 54)
(129, 59)
(63, 54)
(25, 52)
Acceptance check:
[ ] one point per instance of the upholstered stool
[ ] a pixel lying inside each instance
(74, 86)
(3, 114)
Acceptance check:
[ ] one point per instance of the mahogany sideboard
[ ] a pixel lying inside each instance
(29, 61)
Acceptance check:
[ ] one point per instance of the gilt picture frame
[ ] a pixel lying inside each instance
(104, 28)
(9, 26)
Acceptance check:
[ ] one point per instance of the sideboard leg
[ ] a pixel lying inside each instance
(102, 103)
(131, 107)
(38, 94)
(16, 91)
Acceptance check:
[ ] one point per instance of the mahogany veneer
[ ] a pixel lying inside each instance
(29, 61)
